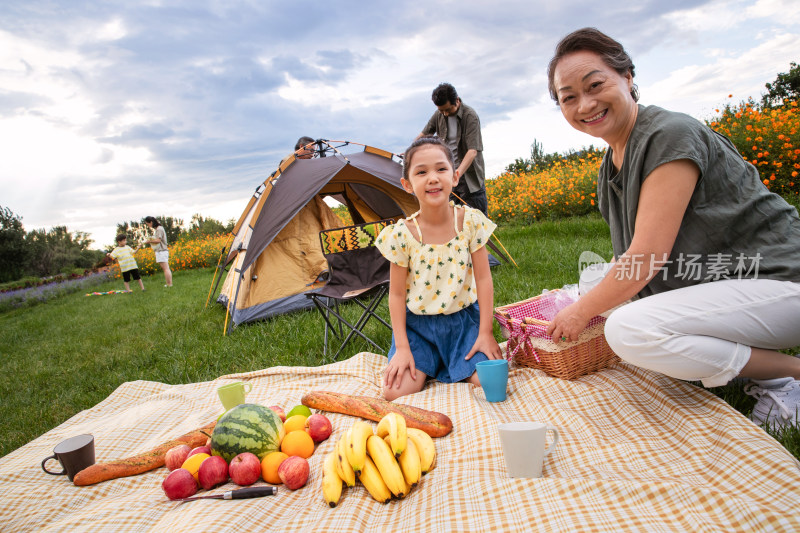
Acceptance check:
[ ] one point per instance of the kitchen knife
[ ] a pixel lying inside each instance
(238, 494)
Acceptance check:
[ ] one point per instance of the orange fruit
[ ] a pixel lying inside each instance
(294, 423)
(192, 464)
(298, 443)
(269, 467)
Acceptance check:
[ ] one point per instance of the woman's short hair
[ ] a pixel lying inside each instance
(426, 141)
(610, 51)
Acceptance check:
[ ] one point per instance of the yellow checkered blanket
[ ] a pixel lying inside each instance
(638, 452)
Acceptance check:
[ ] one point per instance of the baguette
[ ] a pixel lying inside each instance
(433, 423)
(139, 463)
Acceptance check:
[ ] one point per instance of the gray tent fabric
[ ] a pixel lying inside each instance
(303, 179)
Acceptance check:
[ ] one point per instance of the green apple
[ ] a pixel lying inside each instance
(299, 410)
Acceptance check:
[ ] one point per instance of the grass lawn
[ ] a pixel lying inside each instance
(68, 354)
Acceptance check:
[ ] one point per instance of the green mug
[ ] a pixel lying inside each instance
(233, 394)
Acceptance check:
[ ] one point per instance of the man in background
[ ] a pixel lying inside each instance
(304, 148)
(459, 127)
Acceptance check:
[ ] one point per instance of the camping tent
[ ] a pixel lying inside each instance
(275, 257)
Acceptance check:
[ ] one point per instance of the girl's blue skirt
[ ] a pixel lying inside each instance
(439, 343)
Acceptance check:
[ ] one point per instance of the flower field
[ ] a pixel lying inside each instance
(567, 188)
(184, 255)
(768, 138)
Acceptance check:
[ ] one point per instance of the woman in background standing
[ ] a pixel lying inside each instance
(159, 244)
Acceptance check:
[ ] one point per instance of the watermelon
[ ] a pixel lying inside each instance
(247, 428)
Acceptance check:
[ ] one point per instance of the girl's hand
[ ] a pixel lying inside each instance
(568, 324)
(487, 344)
(401, 361)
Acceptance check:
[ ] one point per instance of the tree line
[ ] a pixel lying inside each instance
(43, 253)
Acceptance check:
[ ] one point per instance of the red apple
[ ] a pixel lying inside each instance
(179, 484)
(280, 411)
(294, 472)
(213, 471)
(319, 427)
(176, 456)
(200, 449)
(245, 469)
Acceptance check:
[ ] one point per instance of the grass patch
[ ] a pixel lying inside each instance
(70, 353)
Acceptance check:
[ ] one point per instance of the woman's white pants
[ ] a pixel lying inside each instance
(705, 332)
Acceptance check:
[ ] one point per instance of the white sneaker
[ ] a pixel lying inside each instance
(778, 401)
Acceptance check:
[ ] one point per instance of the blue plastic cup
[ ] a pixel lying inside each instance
(493, 375)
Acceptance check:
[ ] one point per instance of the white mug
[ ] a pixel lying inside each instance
(524, 447)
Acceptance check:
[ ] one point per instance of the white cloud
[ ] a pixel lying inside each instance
(784, 12)
(697, 88)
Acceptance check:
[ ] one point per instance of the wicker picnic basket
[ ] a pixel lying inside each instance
(523, 324)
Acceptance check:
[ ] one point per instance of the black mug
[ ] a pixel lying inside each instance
(74, 454)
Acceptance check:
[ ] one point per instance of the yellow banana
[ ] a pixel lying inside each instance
(384, 460)
(357, 444)
(408, 489)
(425, 448)
(383, 427)
(331, 482)
(373, 482)
(345, 470)
(394, 425)
(410, 465)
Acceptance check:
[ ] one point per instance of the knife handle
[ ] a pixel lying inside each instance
(251, 492)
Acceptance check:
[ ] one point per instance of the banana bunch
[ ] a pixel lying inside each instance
(388, 462)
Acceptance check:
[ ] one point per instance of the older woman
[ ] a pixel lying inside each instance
(159, 244)
(709, 255)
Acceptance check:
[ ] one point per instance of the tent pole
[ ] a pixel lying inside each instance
(228, 308)
(213, 288)
(236, 297)
(493, 236)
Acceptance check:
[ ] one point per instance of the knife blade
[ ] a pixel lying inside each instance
(238, 494)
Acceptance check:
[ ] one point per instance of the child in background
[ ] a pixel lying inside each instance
(127, 264)
(441, 296)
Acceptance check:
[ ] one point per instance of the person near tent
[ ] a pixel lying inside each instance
(159, 244)
(710, 255)
(459, 128)
(302, 149)
(127, 263)
(440, 285)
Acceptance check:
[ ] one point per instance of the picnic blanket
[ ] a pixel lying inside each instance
(638, 452)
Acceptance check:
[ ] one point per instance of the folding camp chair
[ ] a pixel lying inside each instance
(358, 273)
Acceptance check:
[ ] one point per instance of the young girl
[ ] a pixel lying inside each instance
(440, 288)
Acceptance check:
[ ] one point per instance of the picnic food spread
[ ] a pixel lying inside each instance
(250, 442)
(433, 423)
(244, 448)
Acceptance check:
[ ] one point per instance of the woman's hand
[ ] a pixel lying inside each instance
(402, 360)
(487, 344)
(568, 323)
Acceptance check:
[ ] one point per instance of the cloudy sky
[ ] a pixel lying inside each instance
(111, 111)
